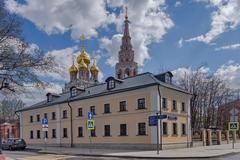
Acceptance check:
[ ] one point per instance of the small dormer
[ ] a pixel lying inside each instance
(51, 96)
(74, 91)
(112, 82)
(165, 77)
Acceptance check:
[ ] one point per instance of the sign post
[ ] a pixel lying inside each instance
(154, 121)
(233, 125)
(45, 130)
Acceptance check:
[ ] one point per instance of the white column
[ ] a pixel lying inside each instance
(58, 125)
(21, 125)
(154, 108)
(189, 128)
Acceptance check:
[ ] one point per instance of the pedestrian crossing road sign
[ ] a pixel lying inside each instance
(90, 124)
(233, 126)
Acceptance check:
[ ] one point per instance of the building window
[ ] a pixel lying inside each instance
(80, 112)
(107, 108)
(64, 114)
(111, 84)
(175, 129)
(107, 130)
(165, 128)
(49, 98)
(53, 133)
(93, 110)
(65, 135)
(38, 118)
(141, 103)
(183, 107)
(123, 129)
(73, 92)
(53, 115)
(164, 103)
(183, 129)
(31, 134)
(141, 128)
(123, 106)
(46, 134)
(80, 131)
(93, 132)
(45, 115)
(38, 134)
(174, 105)
(31, 119)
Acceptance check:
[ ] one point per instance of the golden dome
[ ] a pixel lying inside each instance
(94, 69)
(73, 69)
(83, 56)
(82, 65)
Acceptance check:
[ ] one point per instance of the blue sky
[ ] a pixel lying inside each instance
(166, 35)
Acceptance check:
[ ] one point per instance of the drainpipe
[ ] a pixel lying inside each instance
(160, 113)
(71, 123)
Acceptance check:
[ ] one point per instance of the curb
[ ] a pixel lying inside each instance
(140, 157)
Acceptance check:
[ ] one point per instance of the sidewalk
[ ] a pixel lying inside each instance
(197, 152)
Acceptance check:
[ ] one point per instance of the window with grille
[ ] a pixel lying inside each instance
(165, 128)
(123, 129)
(80, 131)
(141, 103)
(141, 128)
(123, 106)
(64, 114)
(107, 108)
(107, 130)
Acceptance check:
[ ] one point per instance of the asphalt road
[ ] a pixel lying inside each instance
(31, 155)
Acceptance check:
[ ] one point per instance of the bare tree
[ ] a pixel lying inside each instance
(20, 62)
(8, 107)
(209, 92)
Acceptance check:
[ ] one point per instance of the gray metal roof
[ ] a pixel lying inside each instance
(140, 81)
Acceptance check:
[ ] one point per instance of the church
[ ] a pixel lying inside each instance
(121, 108)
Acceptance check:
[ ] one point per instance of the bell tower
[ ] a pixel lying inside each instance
(126, 66)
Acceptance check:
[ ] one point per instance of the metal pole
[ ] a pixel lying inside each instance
(160, 111)
(157, 134)
(233, 140)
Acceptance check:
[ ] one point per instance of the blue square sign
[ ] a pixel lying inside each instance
(44, 121)
(153, 120)
(90, 115)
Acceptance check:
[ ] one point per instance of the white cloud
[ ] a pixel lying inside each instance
(33, 95)
(149, 24)
(60, 16)
(178, 3)
(229, 47)
(180, 43)
(229, 72)
(63, 60)
(224, 18)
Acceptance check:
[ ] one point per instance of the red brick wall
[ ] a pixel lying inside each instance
(8, 130)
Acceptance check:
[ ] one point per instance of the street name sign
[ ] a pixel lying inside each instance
(152, 120)
(90, 124)
(233, 126)
(163, 116)
(90, 115)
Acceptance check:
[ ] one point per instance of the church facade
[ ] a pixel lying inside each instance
(121, 107)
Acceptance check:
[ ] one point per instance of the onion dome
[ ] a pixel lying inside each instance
(82, 65)
(73, 69)
(94, 69)
(83, 56)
